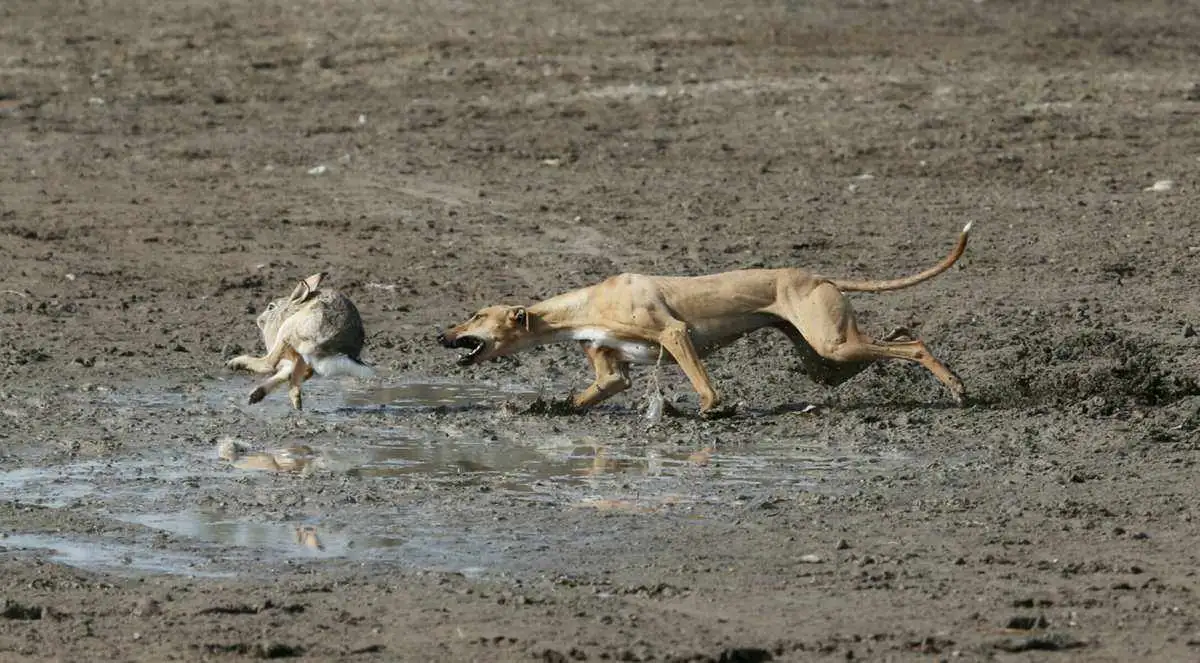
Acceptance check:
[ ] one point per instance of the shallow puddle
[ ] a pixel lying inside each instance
(434, 394)
(303, 538)
(409, 539)
(113, 557)
(320, 395)
(231, 509)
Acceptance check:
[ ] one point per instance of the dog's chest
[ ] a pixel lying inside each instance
(635, 352)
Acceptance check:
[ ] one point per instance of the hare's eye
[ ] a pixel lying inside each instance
(271, 306)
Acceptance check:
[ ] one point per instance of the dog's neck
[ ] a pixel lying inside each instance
(550, 318)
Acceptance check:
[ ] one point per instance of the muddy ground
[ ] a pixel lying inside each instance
(167, 167)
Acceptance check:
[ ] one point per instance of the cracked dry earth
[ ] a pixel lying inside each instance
(167, 167)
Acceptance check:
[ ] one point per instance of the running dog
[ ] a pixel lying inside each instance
(637, 319)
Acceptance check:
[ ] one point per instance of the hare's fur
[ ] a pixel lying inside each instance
(310, 331)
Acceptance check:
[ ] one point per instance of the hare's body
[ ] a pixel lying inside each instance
(310, 331)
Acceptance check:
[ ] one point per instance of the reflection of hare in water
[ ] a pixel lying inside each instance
(310, 331)
(300, 458)
(306, 535)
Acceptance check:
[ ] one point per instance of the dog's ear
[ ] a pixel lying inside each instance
(519, 317)
(306, 288)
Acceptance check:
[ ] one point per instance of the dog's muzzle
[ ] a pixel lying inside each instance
(472, 344)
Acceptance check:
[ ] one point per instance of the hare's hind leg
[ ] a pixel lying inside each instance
(286, 366)
(300, 373)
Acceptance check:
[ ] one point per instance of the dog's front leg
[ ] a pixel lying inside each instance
(675, 340)
(612, 377)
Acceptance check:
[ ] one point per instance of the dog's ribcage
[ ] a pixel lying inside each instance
(706, 336)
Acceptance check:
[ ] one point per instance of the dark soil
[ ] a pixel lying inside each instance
(160, 181)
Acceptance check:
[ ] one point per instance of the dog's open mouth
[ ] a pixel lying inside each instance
(474, 347)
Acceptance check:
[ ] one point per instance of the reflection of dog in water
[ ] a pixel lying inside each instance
(604, 463)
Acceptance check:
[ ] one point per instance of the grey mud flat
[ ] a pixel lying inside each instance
(167, 167)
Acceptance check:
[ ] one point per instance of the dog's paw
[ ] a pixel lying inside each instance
(716, 413)
(958, 392)
(239, 363)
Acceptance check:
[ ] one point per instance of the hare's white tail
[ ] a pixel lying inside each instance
(339, 365)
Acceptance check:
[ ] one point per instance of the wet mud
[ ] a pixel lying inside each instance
(167, 168)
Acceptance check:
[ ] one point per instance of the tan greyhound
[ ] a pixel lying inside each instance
(637, 319)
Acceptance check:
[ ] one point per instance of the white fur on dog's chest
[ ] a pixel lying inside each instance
(637, 352)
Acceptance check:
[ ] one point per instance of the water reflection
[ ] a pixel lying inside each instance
(431, 394)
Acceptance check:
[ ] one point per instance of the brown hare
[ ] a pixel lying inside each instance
(310, 331)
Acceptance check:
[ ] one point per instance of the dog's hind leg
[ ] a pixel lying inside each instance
(612, 377)
(825, 319)
(819, 369)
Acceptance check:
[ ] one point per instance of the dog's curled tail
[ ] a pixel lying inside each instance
(909, 281)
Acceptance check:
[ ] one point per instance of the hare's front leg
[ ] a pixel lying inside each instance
(248, 363)
(280, 349)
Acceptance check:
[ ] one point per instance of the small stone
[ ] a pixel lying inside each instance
(1161, 186)
(842, 544)
(1189, 331)
(810, 559)
(317, 170)
(146, 607)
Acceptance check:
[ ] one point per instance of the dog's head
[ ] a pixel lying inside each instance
(494, 331)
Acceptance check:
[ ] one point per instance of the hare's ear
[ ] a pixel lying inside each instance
(306, 288)
(314, 281)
